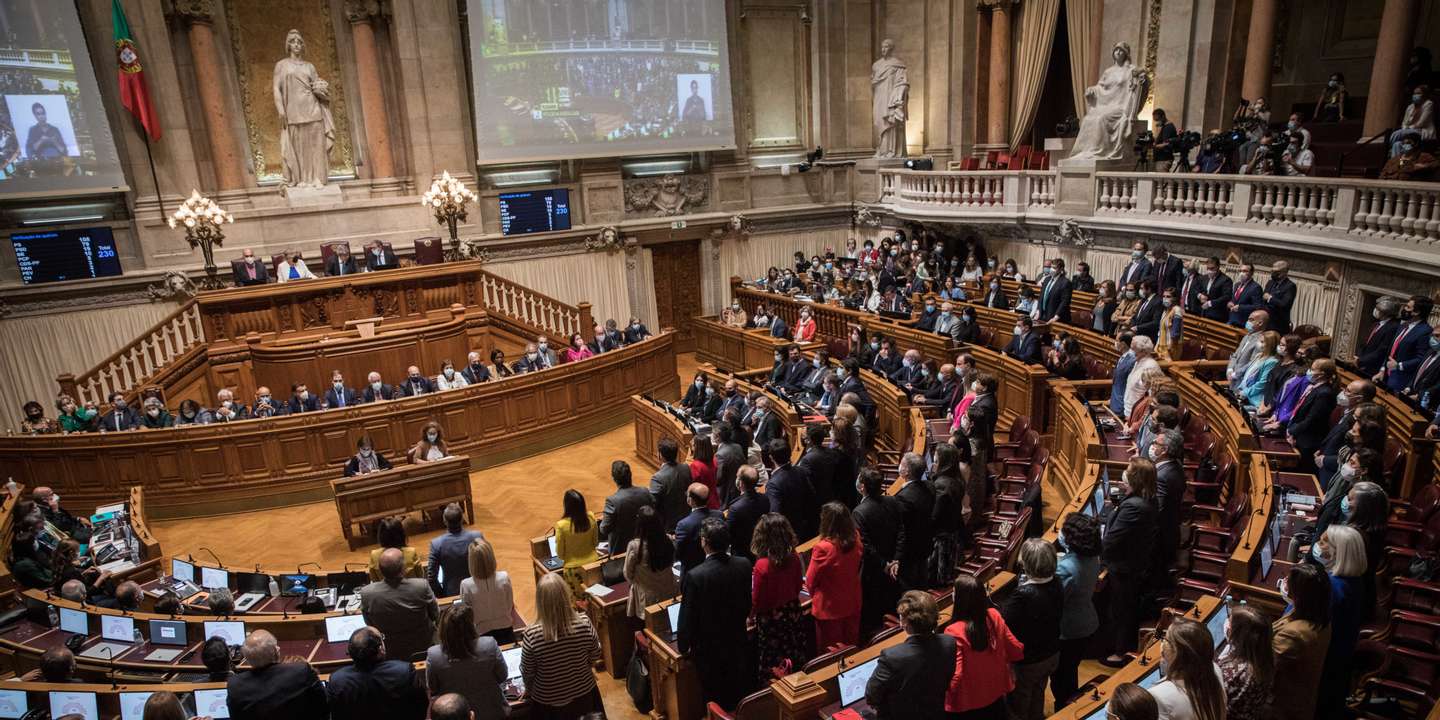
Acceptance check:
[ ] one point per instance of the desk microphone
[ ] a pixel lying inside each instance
(110, 658)
(216, 557)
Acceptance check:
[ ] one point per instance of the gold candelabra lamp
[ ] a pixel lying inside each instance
(447, 198)
(202, 219)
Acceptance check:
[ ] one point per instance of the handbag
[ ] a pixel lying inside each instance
(637, 682)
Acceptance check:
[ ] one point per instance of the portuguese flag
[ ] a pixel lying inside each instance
(134, 95)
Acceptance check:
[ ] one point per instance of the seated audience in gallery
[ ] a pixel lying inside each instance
(34, 422)
(302, 400)
(497, 361)
(154, 415)
(192, 413)
(266, 405)
(449, 379)
(379, 256)
(415, 384)
(600, 342)
(75, 417)
(577, 350)
(377, 389)
(636, 331)
(531, 361)
(339, 395)
(475, 371)
(365, 460)
(227, 409)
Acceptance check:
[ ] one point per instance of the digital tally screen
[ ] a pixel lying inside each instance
(534, 211)
(66, 255)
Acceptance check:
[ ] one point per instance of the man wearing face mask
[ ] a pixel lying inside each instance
(340, 396)
(928, 317)
(1167, 271)
(1425, 388)
(227, 408)
(365, 460)
(613, 334)
(1213, 291)
(249, 271)
(302, 400)
(1138, 268)
(1055, 293)
(732, 398)
(1279, 296)
(266, 405)
(947, 321)
(1245, 296)
(1025, 345)
(1409, 162)
(475, 371)
(1411, 345)
(1147, 317)
(120, 416)
(636, 331)
(1297, 159)
(548, 358)
(812, 381)
(1356, 394)
(377, 389)
(1244, 353)
(415, 383)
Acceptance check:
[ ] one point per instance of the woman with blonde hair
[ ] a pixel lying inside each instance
(1251, 388)
(1192, 689)
(488, 594)
(557, 656)
(431, 446)
(1341, 552)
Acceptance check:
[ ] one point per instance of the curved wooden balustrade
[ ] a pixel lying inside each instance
(257, 463)
(138, 363)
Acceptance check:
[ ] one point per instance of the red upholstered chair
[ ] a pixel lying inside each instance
(1208, 535)
(275, 261)
(1418, 508)
(429, 251)
(758, 705)
(1394, 462)
(1411, 679)
(1018, 428)
(992, 160)
(970, 163)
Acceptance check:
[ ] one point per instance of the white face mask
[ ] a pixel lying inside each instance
(431, 437)
(153, 412)
(375, 386)
(1347, 471)
(449, 373)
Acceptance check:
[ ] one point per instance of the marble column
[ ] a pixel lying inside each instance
(1384, 106)
(362, 15)
(1260, 50)
(225, 151)
(998, 121)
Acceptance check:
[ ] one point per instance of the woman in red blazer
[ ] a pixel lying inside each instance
(834, 579)
(805, 326)
(984, 650)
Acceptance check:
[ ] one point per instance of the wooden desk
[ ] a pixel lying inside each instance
(608, 615)
(149, 546)
(651, 425)
(404, 489)
(674, 681)
(790, 420)
(734, 349)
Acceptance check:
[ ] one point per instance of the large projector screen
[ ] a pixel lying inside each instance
(54, 139)
(590, 78)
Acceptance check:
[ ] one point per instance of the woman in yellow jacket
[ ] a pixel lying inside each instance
(576, 535)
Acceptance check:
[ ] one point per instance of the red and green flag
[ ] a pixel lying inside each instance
(134, 95)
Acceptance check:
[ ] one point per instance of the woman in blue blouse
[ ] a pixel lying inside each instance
(1077, 573)
(1252, 385)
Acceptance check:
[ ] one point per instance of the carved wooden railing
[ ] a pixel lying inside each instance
(130, 367)
(560, 320)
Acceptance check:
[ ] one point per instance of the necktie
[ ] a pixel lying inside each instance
(1426, 365)
(1399, 337)
(1374, 330)
(1239, 288)
(1304, 395)
(1185, 292)
(340, 394)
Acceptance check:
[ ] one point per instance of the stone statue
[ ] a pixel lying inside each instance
(1110, 106)
(891, 93)
(307, 129)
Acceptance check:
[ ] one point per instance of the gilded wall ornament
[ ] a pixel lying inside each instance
(171, 286)
(667, 195)
(608, 239)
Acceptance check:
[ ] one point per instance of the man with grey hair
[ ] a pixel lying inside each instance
(1167, 450)
(1255, 326)
(1135, 388)
(916, 502)
(74, 591)
(227, 409)
(402, 608)
(220, 602)
(154, 416)
(272, 690)
(1376, 350)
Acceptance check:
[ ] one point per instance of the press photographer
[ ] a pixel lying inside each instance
(1165, 150)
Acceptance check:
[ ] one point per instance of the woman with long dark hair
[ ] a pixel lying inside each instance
(702, 467)
(775, 598)
(497, 358)
(1301, 637)
(984, 649)
(648, 561)
(576, 535)
(431, 446)
(1191, 688)
(947, 514)
(834, 579)
(390, 533)
(1129, 543)
(1247, 665)
(468, 663)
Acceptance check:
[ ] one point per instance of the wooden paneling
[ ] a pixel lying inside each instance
(677, 283)
(404, 489)
(732, 348)
(651, 425)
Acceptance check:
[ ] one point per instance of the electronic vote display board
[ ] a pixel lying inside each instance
(55, 255)
(534, 211)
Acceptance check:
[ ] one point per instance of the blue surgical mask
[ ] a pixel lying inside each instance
(1434, 343)
(1249, 326)
(1345, 506)
(1317, 554)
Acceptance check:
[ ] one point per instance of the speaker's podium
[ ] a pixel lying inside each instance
(418, 487)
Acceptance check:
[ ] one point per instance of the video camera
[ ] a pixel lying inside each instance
(1143, 142)
(1227, 141)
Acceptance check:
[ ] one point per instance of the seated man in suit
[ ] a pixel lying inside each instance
(617, 522)
(377, 389)
(227, 409)
(601, 342)
(415, 383)
(530, 361)
(636, 331)
(475, 371)
(908, 374)
(250, 271)
(378, 256)
(613, 334)
(339, 396)
(402, 608)
(687, 531)
(340, 263)
(120, 417)
(268, 689)
(1025, 346)
(548, 358)
(713, 618)
(944, 394)
(374, 685)
(266, 405)
(302, 400)
(912, 679)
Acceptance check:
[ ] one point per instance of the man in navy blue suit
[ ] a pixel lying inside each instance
(415, 383)
(687, 531)
(1055, 294)
(1215, 291)
(302, 400)
(744, 511)
(339, 396)
(1139, 267)
(788, 489)
(1411, 345)
(1147, 318)
(1245, 296)
(1376, 348)
(1167, 271)
(1025, 346)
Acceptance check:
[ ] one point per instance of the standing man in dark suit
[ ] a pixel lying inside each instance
(978, 425)
(1167, 451)
(302, 400)
(617, 522)
(713, 616)
(1279, 296)
(380, 257)
(375, 686)
(822, 464)
(1147, 318)
(1311, 418)
(1425, 388)
(1191, 288)
(911, 679)
(778, 328)
(1411, 345)
(788, 489)
(415, 383)
(450, 553)
(1376, 348)
(916, 501)
(268, 689)
(730, 455)
(743, 513)
(249, 271)
(1358, 392)
(1138, 268)
(339, 396)
(1055, 295)
(687, 531)
(120, 417)
(402, 608)
(475, 371)
(1167, 271)
(1245, 297)
(668, 484)
(877, 517)
(1216, 291)
(766, 421)
(1025, 345)
(340, 263)
(1127, 553)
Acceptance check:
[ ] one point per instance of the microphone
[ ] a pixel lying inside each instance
(216, 557)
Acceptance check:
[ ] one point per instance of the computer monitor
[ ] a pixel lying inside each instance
(13, 704)
(74, 621)
(73, 703)
(1216, 624)
(232, 630)
(118, 628)
(1149, 679)
(181, 570)
(247, 582)
(339, 628)
(212, 703)
(1267, 559)
(132, 705)
(512, 662)
(168, 632)
(346, 583)
(852, 681)
(673, 613)
(296, 584)
(214, 578)
(1099, 713)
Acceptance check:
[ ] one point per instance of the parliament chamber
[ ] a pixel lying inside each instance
(821, 360)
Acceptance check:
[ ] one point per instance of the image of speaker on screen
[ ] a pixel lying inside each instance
(42, 122)
(694, 93)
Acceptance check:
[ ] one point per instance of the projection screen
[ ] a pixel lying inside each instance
(54, 138)
(587, 78)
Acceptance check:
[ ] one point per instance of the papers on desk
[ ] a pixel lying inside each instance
(598, 590)
(118, 566)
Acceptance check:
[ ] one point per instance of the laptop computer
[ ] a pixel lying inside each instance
(253, 587)
(73, 703)
(14, 704)
(1216, 624)
(214, 579)
(168, 632)
(339, 628)
(119, 629)
(105, 650)
(852, 682)
(295, 585)
(212, 703)
(233, 631)
(76, 622)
